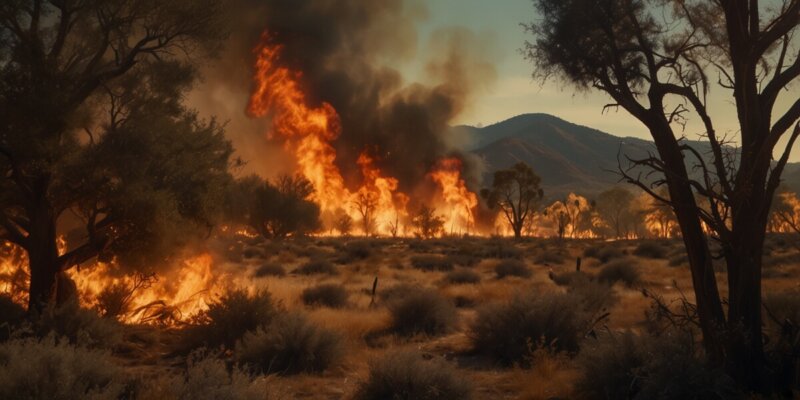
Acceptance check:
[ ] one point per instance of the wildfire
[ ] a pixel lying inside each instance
(459, 200)
(309, 132)
(183, 291)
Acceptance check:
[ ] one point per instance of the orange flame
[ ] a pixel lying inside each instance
(309, 131)
(459, 200)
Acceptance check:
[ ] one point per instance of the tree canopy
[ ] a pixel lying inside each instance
(515, 192)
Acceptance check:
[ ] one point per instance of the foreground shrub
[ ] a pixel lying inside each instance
(270, 269)
(462, 276)
(315, 267)
(512, 268)
(431, 263)
(604, 253)
(11, 315)
(463, 259)
(500, 248)
(596, 296)
(328, 295)
(227, 319)
(651, 250)
(206, 378)
(53, 369)
(666, 367)
(422, 311)
(79, 326)
(508, 331)
(291, 344)
(407, 376)
(548, 257)
(624, 271)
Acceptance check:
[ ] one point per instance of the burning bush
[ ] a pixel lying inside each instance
(227, 319)
(406, 375)
(512, 268)
(206, 377)
(509, 331)
(53, 369)
(422, 311)
(329, 295)
(290, 344)
(625, 271)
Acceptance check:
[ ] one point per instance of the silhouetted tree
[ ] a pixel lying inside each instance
(366, 203)
(91, 124)
(426, 223)
(282, 209)
(615, 207)
(516, 192)
(343, 223)
(658, 60)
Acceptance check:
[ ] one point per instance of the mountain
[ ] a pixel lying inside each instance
(568, 157)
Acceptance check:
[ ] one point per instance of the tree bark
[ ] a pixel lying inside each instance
(43, 259)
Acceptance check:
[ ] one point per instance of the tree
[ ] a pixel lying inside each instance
(91, 122)
(658, 60)
(343, 223)
(427, 224)
(516, 192)
(366, 202)
(615, 207)
(282, 209)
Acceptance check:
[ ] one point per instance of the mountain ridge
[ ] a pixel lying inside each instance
(567, 156)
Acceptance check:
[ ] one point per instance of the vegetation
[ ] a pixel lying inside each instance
(508, 332)
(426, 223)
(278, 210)
(422, 311)
(406, 375)
(462, 276)
(516, 193)
(328, 295)
(228, 319)
(623, 270)
(512, 268)
(290, 344)
(627, 50)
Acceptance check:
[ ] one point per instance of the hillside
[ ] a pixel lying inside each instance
(567, 156)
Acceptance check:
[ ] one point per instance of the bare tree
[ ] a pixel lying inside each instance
(658, 60)
(516, 192)
(366, 203)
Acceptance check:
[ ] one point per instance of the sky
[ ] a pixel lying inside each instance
(516, 92)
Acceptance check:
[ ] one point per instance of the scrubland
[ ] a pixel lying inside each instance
(452, 318)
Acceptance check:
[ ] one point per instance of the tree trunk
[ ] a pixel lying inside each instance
(43, 261)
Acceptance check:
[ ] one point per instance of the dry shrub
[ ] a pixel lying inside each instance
(512, 268)
(462, 276)
(596, 296)
(569, 277)
(79, 326)
(651, 249)
(11, 315)
(291, 344)
(422, 311)
(356, 250)
(206, 377)
(625, 271)
(53, 369)
(463, 259)
(604, 253)
(664, 367)
(328, 295)
(430, 262)
(406, 375)
(228, 318)
(270, 269)
(501, 248)
(508, 331)
(315, 267)
(678, 259)
(547, 257)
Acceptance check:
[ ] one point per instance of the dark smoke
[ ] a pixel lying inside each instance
(346, 49)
